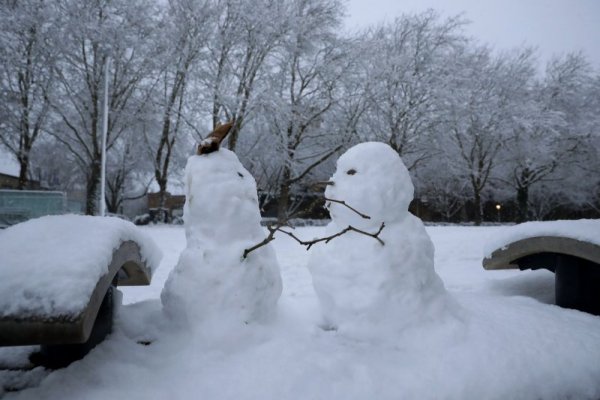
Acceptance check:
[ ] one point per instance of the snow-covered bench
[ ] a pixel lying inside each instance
(570, 249)
(57, 277)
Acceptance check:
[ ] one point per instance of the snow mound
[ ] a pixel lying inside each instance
(586, 230)
(513, 347)
(212, 280)
(50, 265)
(365, 286)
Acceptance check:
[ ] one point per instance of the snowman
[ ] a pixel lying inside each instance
(212, 281)
(362, 282)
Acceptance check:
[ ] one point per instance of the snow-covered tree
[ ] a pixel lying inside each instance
(408, 71)
(546, 122)
(26, 77)
(237, 57)
(304, 88)
(184, 36)
(92, 32)
(477, 114)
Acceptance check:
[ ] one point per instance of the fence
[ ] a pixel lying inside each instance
(20, 205)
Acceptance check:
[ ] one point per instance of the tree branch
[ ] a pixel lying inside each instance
(309, 243)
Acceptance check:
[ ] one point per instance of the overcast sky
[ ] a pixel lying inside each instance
(554, 26)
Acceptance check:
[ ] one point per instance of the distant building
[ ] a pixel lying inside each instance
(173, 206)
(12, 182)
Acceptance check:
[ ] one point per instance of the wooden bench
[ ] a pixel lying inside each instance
(575, 263)
(68, 336)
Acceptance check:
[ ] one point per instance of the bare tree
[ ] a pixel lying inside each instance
(186, 28)
(304, 85)
(476, 120)
(127, 176)
(408, 71)
(91, 33)
(551, 121)
(238, 54)
(25, 77)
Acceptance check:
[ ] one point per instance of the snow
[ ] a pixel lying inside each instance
(413, 317)
(586, 230)
(50, 265)
(213, 284)
(369, 288)
(371, 178)
(515, 344)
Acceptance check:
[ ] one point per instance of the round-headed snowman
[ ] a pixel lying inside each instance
(212, 280)
(360, 281)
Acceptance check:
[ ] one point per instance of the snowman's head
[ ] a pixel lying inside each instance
(371, 178)
(221, 198)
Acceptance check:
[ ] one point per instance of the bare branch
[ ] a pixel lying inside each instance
(327, 239)
(315, 164)
(309, 243)
(272, 229)
(342, 202)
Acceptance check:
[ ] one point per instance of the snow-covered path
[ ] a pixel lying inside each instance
(512, 343)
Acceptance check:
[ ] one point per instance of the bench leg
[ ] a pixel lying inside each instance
(578, 284)
(60, 356)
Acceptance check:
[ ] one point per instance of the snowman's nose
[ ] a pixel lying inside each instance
(323, 183)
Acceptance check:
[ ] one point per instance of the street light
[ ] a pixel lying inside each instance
(104, 134)
(498, 208)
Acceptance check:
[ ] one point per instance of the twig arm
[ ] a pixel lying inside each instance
(327, 239)
(309, 243)
(268, 239)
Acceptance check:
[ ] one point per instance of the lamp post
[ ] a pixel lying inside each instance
(104, 134)
(498, 208)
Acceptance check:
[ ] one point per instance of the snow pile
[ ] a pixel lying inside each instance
(50, 265)
(586, 230)
(212, 280)
(513, 347)
(360, 282)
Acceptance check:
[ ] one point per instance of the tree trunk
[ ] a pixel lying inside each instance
(284, 196)
(234, 134)
(478, 208)
(23, 169)
(112, 204)
(522, 203)
(92, 188)
(163, 215)
(113, 197)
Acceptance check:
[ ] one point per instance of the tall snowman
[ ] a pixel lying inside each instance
(362, 284)
(212, 281)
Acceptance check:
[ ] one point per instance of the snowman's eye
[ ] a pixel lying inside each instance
(351, 171)
(240, 175)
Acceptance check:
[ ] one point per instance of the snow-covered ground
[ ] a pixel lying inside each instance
(512, 343)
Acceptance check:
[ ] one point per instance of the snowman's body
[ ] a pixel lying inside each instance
(211, 279)
(359, 281)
